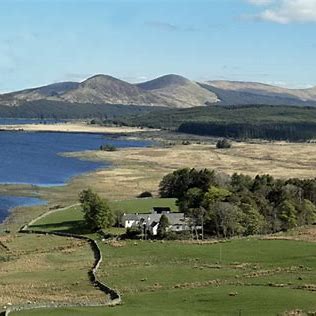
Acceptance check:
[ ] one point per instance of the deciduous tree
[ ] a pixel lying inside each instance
(97, 212)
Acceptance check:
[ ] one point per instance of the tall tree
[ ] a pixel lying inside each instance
(306, 213)
(253, 221)
(287, 214)
(97, 212)
(227, 219)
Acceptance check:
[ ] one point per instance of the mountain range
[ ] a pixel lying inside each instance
(171, 91)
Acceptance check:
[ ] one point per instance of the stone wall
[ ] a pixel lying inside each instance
(114, 295)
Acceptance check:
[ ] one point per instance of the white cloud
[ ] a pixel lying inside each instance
(288, 11)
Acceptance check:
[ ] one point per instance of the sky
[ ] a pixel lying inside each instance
(47, 41)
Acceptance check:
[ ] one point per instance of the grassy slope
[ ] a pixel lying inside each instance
(196, 279)
(71, 220)
(175, 278)
(45, 269)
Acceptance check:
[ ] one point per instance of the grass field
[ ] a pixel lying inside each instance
(71, 220)
(141, 169)
(36, 269)
(240, 277)
(250, 276)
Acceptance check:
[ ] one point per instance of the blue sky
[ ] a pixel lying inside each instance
(47, 41)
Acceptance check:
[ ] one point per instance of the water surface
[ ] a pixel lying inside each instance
(35, 158)
(9, 202)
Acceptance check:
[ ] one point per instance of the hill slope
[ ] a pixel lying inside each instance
(238, 92)
(171, 91)
(106, 89)
(44, 92)
(180, 91)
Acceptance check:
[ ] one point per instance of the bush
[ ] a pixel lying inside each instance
(133, 233)
(186, 142)
(223, 144)
(145, 194)
(95, 122)
(108, 147)
(184, 235)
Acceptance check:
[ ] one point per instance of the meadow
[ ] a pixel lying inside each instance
(71, 219)
(237, 277)
(247, 276)
(37, 269)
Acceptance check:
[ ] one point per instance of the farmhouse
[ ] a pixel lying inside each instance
(150, 221)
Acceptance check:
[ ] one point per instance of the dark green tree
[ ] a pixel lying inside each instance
(241, 182)
(176, 184)
(163, 226)
(194, 197)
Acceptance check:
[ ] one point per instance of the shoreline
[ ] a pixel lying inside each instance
(43, 192)
(28, 203)
(78, 127)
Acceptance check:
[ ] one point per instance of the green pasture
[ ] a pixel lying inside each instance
(71, 220)
(48, 268)
(239, 277)
(250, 301)
(247, 276)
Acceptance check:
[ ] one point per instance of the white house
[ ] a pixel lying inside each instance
(150, 221)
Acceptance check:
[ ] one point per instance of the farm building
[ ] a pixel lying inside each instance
(150, 221)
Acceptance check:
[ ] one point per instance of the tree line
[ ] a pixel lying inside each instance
(238, 205)
(293, 131)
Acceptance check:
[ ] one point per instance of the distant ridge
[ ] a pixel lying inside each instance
(172, 91)
(240, 92)
(33, 94)
(179, 91)
(163, 82)
(106, 89)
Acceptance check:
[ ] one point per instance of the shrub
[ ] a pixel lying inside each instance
(95, 122)
(108, 147)
(133, 233)
(163, 226)
(145, 194)
(186, 142)
(223, 144)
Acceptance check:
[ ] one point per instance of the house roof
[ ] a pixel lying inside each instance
(160, 210)
(149, 218)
